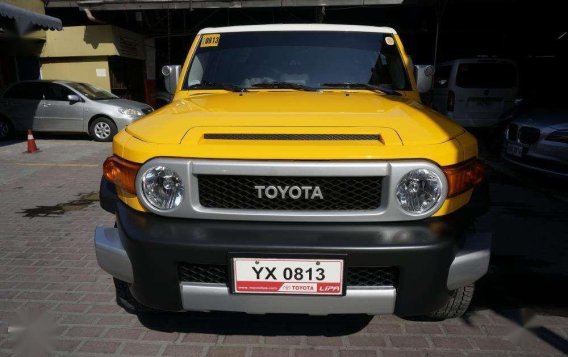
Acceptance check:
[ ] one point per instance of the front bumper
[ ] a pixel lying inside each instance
(543, 157)
(432, 258)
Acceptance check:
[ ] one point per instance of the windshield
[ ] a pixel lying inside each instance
(92, 92)
(486, 75)
(304, 58)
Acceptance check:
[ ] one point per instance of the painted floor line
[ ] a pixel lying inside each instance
(52, 164)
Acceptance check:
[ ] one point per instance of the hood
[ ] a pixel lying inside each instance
(545, 118)
(124, 103)
(396, 120)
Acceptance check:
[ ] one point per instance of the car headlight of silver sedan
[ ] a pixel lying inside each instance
(131, 112)
(162, 188)
(419, 191)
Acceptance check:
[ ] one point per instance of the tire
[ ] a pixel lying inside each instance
(102, 129)
(6, 129)
(456, 306)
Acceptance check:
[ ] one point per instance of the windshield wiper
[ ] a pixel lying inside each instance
(284, 85)
(212, 85)
(348, 85)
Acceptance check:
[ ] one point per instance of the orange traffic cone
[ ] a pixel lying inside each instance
(32, 147)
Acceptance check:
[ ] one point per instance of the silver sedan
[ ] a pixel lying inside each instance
(64, 106)
(539, 141)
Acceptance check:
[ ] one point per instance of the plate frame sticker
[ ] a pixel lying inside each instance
(290, 257)
(210, 40)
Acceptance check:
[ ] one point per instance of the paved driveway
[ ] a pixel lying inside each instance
(53, 295)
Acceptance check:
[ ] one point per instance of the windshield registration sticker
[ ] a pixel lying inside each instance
(210, 40)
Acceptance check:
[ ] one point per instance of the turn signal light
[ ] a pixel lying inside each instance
(121, 172)
(464, 176)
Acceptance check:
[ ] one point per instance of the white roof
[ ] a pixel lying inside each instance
(298, 27)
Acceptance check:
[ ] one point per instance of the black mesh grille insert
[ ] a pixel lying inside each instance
(333, 137)
(371, 276)
(356, 276)
(528, 135)
(201, 273)
(339, 193)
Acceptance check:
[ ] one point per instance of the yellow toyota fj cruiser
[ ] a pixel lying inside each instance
(293, 160)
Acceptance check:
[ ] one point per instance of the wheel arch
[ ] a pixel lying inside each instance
(98, 116)
(11, 125)
(8, 119)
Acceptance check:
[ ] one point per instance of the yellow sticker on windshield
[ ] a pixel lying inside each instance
(210, 40)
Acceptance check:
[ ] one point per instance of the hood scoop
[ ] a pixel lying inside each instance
(293, 137)
(306, 137)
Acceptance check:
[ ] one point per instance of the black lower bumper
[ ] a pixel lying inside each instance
(421, 252)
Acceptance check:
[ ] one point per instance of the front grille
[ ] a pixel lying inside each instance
(201, 273)
(356, 276)
(290, 137)
(371, 276)
(512, 132)
(339, 193)
(528, 135)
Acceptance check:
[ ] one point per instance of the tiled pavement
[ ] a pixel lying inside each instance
(53, 296)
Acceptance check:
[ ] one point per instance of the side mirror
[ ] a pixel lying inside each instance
(73, 98)
(424, 77)
(171, 76)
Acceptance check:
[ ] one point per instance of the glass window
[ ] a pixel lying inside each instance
(14, 92)
(309, 58)
(442, 76)
(92, 92)
(486, 75)
(30, 91)
(57, 92)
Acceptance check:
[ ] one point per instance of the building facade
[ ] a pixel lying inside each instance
(106, 56)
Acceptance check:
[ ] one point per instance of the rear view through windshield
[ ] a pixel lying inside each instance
(486, 75)
(306, 58)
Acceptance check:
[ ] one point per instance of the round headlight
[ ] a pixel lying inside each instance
(418, 191)
(162, 188)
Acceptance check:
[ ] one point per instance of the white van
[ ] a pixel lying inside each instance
(476, 92)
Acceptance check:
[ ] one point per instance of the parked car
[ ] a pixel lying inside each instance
(294, 160)
(476, 92)
(538, 140)
(64, 106)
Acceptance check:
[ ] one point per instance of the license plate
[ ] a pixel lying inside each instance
(515, 149)
(288, 276)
